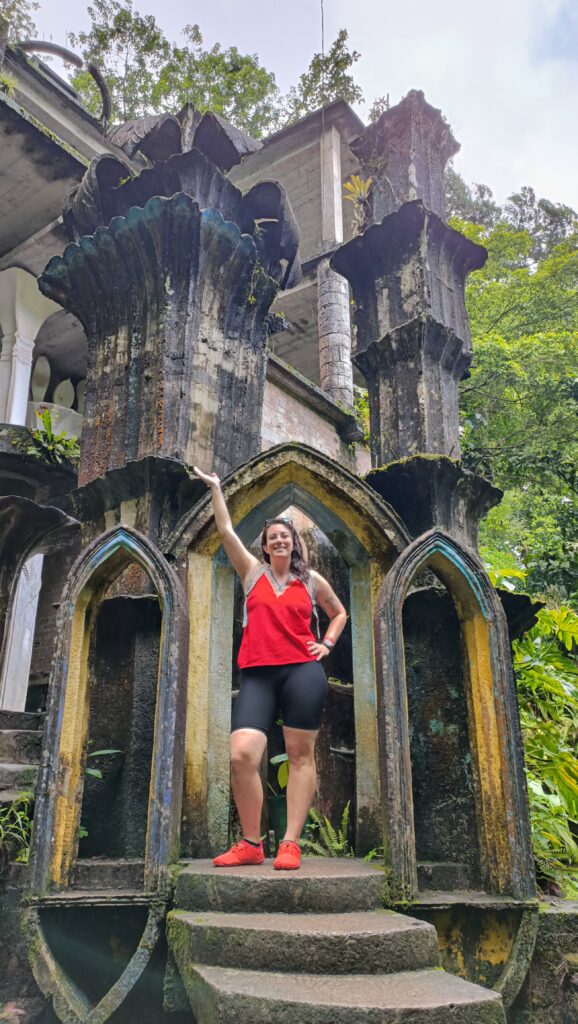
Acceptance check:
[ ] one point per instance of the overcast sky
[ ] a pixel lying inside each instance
(504, 72)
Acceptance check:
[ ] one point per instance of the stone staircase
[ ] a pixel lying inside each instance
(20, 742)
(310, 947)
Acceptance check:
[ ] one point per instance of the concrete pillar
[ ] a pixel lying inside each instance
(336, 372)
(23, 310)
(20, 637)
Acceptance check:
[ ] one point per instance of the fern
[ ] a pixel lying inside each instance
(323, 839)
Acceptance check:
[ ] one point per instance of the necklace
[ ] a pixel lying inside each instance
(279, 585)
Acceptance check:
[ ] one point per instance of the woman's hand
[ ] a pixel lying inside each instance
(210, 479)
(318, 650)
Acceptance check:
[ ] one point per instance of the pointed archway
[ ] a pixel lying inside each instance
(367, 534)
(493, 722)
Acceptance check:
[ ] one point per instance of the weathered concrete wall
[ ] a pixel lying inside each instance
(285, 418)
(550, 992)
(300, 174)
(440, 749)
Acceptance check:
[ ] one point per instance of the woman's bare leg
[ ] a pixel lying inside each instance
(300, 747)
(247, 749)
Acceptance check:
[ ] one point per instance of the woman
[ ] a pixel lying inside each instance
(280, 667)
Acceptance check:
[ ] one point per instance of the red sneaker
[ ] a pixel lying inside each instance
(241, 853)
(288, 856)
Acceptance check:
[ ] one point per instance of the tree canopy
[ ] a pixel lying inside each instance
(19, 15)
(520, 405)
(147, 73)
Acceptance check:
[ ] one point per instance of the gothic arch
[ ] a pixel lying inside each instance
(368, 535)
(60, 779)
(495, 738)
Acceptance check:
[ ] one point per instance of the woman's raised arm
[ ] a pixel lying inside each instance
(241, 559)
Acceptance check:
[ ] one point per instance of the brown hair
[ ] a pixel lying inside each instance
(298, 564)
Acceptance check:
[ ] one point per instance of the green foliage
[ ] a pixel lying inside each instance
(546, 667)
(325, 840)
(148, 74)
(357, 191)
(519, 407)
(544, 222)
(46, 444)
(16, 829)
(379, 105)
(327, 78)
(361, 409)
(19, 15)
(282, 761)
(8, 84)
(94, 773)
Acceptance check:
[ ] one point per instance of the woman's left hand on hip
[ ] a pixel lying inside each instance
(318, 651)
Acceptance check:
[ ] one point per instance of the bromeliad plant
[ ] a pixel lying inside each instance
(47, 444)
(357, 191)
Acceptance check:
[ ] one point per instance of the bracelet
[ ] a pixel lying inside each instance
(327, 642)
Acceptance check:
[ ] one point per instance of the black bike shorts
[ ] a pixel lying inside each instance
(294, 692)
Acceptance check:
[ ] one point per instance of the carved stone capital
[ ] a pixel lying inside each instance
(174, 303)
(408, 265)
(431, 492)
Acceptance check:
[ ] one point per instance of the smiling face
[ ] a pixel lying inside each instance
(278, 541)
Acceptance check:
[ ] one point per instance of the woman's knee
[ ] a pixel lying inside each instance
(300, 748)
(247, 750)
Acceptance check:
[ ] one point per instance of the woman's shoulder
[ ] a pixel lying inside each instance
(253, 575)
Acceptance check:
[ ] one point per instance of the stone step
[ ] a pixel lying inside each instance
(323, 885)
(20, 746)
(378, 941)
(102, 873)
(21, 719)
(220, 995)
(18, 776)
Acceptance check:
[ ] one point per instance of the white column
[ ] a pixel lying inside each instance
(19, 639)
(335, 369)
(23, 310)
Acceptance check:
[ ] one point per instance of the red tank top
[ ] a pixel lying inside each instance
(278, 627)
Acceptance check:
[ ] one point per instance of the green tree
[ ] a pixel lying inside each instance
(520, 405)
(148, 74)
(225, 81)
(130, 49)
(19, 15)
(327, 78)
(474, 203)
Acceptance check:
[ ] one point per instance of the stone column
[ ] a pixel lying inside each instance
(174, 304)
(336, 373)
(23, 310)
(405, 153)
(413, 341)
(20, 637)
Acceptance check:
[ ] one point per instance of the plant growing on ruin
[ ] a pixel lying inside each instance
(16, 829)
(94, 773)
(8, 84)
(324, 839)
(357, 191)
(46, 444)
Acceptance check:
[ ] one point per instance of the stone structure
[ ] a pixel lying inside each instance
(179, 238)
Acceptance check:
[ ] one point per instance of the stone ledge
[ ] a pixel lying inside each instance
(290, 380)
